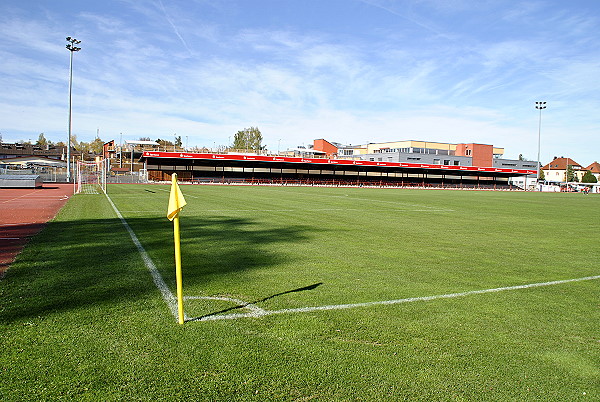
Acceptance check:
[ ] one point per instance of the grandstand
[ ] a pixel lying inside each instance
(256, 169)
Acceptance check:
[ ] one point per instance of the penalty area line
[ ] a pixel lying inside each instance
(168, 297)
(257, 314)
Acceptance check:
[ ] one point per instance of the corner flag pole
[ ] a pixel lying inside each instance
(178, 274)
(176, 204)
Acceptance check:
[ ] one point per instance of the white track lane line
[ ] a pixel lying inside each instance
(17, 198)
(168, 297)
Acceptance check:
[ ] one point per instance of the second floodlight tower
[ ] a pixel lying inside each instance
(540, 106)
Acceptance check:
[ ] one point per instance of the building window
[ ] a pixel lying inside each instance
(456, 163)
(436, 162)
(446, 161)
(468, 153)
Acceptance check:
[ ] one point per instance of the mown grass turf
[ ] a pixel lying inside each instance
(82, 319)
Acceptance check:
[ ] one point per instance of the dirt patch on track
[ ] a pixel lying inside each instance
(23, 213)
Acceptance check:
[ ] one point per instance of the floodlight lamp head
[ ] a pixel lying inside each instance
(69, 38)
(73, 48)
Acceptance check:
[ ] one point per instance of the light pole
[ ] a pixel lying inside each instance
(540, 106)
(71, 46)
(121, 151)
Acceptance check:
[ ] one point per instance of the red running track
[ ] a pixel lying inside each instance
(23, 213)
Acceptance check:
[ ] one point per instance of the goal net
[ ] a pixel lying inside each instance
(90, 177)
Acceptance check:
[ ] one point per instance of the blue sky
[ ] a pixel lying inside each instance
(349, 71)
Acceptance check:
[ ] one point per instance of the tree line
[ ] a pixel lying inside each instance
(94, 146)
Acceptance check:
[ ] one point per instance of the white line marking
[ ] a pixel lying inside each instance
(169, 190)
(168, 297)
(403, 205)
(256, 314)
(240, 303)
(298, 209)
(325, 209)
(138, 211)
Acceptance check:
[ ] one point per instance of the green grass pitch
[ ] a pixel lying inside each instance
(81, 318)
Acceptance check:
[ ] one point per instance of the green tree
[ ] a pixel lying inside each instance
(74, 142)
(248, 138)
(164, 143)
(42, 141)
(178, 142)
(589, 177)
(97, 146)
(82, 146)
(542, 175)
(570, 173)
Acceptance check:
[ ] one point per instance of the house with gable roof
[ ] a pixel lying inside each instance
(595, 169)
(556, 171)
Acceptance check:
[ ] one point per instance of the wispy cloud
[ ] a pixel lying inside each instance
(170, 21)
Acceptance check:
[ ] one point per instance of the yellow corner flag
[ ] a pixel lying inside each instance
(176, 204)
(176, 200)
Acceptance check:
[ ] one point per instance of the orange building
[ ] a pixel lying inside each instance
(325, 146)
(108, 149)
(481, 154)
(467, 154)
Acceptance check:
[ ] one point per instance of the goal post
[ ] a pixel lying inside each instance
(90, 177)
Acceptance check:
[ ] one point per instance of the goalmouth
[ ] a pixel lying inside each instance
(90, 177)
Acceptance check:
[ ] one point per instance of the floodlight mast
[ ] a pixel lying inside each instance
(72, 48)
(540, 106)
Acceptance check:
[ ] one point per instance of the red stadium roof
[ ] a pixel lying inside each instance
(321, 161)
